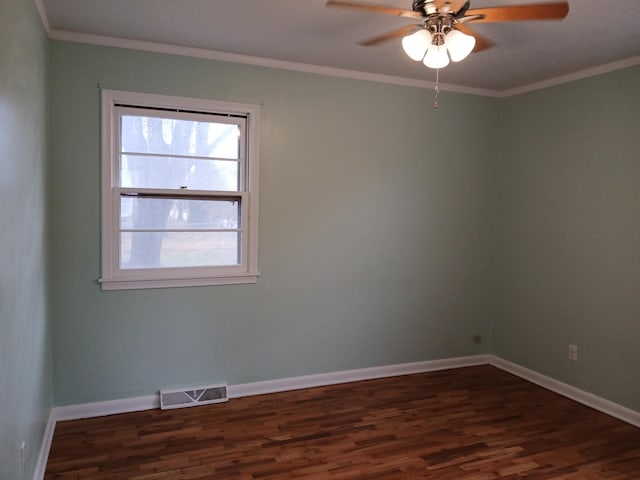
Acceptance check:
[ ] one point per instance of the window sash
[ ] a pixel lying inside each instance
(240, 122)
(177, 271)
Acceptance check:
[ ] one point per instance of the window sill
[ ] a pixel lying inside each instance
(133, 284)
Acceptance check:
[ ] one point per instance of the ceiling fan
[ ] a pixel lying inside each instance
(443, 32)
(443, 25)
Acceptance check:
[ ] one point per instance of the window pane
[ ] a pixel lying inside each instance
(140, 213)
(167, 136)
(178, 249)
(165, 172)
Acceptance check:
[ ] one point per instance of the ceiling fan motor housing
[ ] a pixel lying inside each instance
(418, 6)
(429, 7)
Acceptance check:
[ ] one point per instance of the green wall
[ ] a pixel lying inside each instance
(376, 237)
(568, 234)
(25, 372)
(382, 222)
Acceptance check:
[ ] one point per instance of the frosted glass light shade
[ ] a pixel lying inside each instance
(416, 44)
(436, 57)
(459, 45)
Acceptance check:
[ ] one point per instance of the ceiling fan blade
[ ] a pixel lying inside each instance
(373, 7)
(398, 32)
(535, 11)
(482, 43)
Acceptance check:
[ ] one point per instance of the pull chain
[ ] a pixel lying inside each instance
(436, 104)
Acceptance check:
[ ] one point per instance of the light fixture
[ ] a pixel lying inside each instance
(436, 56)
(416, 44)
(434, 44)
(459, 45)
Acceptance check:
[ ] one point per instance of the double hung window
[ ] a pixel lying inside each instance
(179, 195)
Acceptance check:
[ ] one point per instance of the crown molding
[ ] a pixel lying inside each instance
(43, 16)
(571, 77)
(155, 47)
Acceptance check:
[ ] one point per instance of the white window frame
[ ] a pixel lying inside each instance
(116, 278)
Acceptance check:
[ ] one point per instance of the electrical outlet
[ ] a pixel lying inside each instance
(573, 353)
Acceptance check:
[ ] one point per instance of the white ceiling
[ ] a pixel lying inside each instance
(595, 33)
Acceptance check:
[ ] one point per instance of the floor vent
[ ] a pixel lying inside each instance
(190, 397)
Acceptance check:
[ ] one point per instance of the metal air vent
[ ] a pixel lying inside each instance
(190, 397)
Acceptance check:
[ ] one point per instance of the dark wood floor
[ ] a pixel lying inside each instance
(476, 423)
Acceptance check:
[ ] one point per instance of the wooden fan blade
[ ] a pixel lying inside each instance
(372, 7)
(482, 43)
(398, 32)
(536, 11)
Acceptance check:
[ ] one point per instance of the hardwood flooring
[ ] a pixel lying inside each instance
(476, 423)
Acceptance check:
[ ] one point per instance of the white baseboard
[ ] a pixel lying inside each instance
(87, 410)
(108, 407)
(136, 404)
(333, 378)
(589, 399)
(45, 446)
(126, 405)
